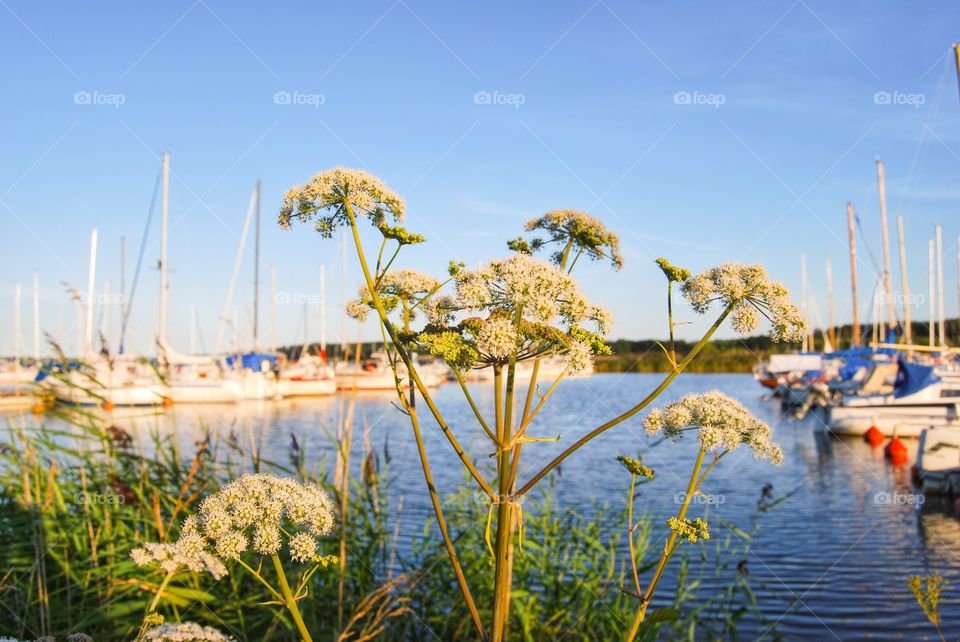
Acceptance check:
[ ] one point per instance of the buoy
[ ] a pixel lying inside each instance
(38, 409)
(896, 451)
(167, 402)
(873, 436)
(109, 405)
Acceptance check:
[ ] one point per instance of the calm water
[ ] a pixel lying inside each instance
(829, 563)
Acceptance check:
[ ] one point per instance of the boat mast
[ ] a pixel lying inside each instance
(323, 311)
(943, 321)
(224, 318)
(855, 340)
(256, 275)
(17, 338)
(832, 333)
(891, 313)
(164, 208)
(904, 283)
(36, 318)
(805, 345)
(91, 275)
(933, 322)
(273, 308)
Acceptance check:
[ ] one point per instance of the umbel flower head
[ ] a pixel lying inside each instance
(190, 551)
(406, 290)
(722, 424)
(520, 308)
(752, 293)
(584, 233)
(185, 632)
(258, 511)
(672, 272)
(691, 530)
(327, 195)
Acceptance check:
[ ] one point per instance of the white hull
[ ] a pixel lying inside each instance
(308, 387)
(938, 460)
(128, 395)
(203, 392)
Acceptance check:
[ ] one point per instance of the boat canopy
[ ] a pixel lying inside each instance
(253, 360)
(912, 378)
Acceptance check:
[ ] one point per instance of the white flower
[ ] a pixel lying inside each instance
(303, 547)
(263, 503)
(578, 357)
(358, 310)
(749, 291)
(722, 422)
(586, 233)
(185, 632)
(498, 338)
(189, 552)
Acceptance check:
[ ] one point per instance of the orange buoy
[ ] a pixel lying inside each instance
(873, 436)
(167, 402)
(109, 405)
(38, 409)
(896, 451)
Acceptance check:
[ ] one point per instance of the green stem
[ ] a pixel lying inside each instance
(668, 549)
(501, 588)
(640, 406)
(160, 590)
(473, 406)
(673, 345)
(290, 601)
(408, 362)
(633, 556)
(276, 594)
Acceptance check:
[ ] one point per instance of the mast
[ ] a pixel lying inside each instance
(855, 340)
(832, 333)
(17, 336)
(193, 328)
(36, 318)
(91, 275)
(904, 283)
(273, 308)
(943, 321)
(805, 345)
(224, 318)
(123, 281)
(256, 274)
(933, 321)
(323, 311)
(885, 237)
(164, 208)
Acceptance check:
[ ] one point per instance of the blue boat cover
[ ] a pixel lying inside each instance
(912, 377)
(252, 360)
(56, 366)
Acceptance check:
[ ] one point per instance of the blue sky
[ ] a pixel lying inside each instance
(703, 132)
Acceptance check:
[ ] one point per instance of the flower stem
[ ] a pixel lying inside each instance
(160, 590)
(290, 601)
(640, 406)
(668, 549)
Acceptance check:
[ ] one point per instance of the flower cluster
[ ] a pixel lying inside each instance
(635, 467)
(750, 292)
(404, 289)
(672, 272)
(189, 551)
(254, 510)
(582, 232)
(333, 191)
(185, 632)
(722, 422)
(691, 530)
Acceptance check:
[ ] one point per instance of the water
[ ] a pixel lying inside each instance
(829, 563)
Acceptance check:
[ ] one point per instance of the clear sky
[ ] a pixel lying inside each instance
(703, 132)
